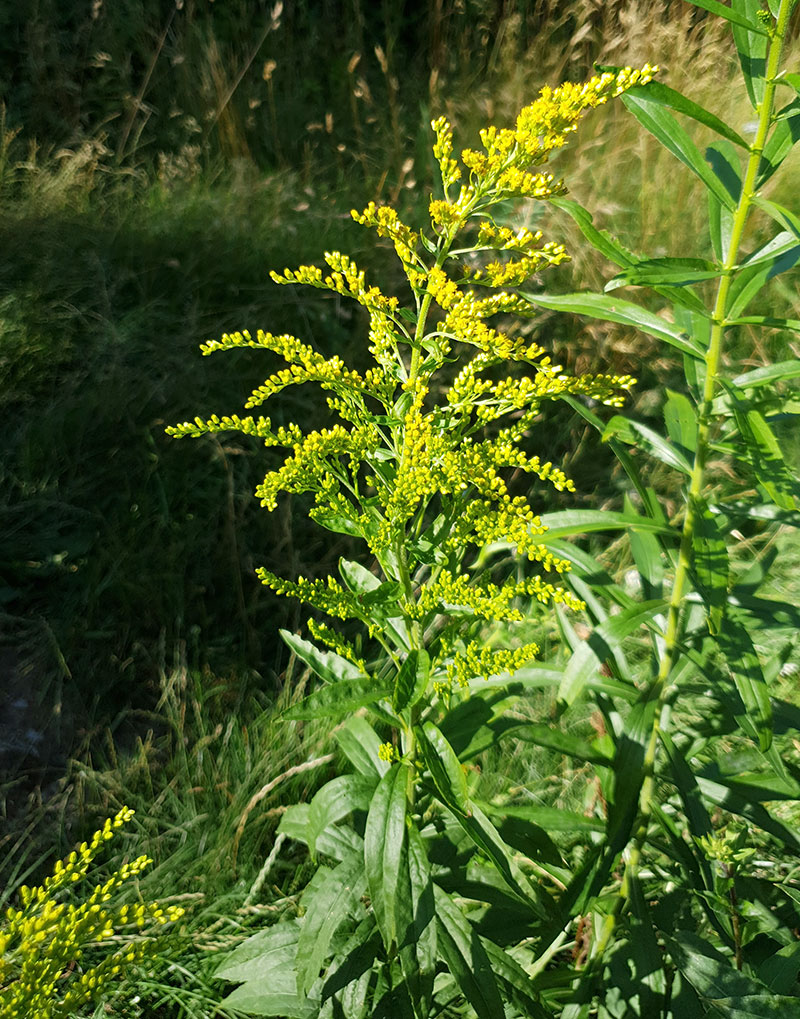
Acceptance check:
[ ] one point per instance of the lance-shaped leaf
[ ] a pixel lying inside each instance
(379, 598)
(332, 896)
(787, 219)
(769, 374)
(384, 839)
(338, 700)
(675, 272)
(518, 986)
(614, 309)
(634, 433)
(733, 15)
(411, 681)
(566, 523)
(335, 800)
(680, 417)
(743, 661)
(325, 664)
(777, 256)
(663, 126)
(601, 240)
(659, 94)
(751, 44)
(360, 744)
(710, 564)
(444, 767)
(466, 958)
(726, 164)
(416, 926)
(784, 135)
(591, 653)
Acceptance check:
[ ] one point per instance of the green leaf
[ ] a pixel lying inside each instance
(583, 521)
(614, 309)
(675, 272)
(466, 958)
(379, 598)
(662, 95)
(325, 664)
(710, 564)
(335, 701)
(680, 417)
(548, 818)
(252, 999)
(416, 926)
(732, 15)
(445, 768)
(634, 433)
(517, 983)
(724, 161)
(741, 657)
(785, 134)
(646, 553)
(553, 738)
(757, 1006)
(384, 839)
(412, 680)
(264, 956)
(331, 897)
(769, 374)
(787, 219)
(335, 800)
(360, 744)
(765, 457)
(752, 43)
(602, 241)
(673, 137)
(592, 652)
(711, 974)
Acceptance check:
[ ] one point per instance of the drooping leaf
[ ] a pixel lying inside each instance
(752, 43)
(379, 598)
(659, 94)
(724, 161)
(614, 309)
(635, 433)
(592, 652)
(783, 137)
(325, 664)
(384, 840)
(360, 744)
(338, 700)
(466, 958)
(674, 272)
(445, 768)
(710, 564)
(331, 897)
(517, 984)
(335, 800)
(607, 245)
(663, 126)
(743, 661)
(411, 681)
(730, 14)
(416, 926)
(566, 523)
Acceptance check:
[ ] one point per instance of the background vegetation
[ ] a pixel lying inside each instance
(155, 161)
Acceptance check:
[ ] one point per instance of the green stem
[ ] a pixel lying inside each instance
(661, 690)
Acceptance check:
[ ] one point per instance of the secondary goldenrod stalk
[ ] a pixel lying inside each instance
(661, 689)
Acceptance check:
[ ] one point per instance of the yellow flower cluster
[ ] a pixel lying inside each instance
(310, 466)
(386, 752)
(43, 943)
(473, 661)
(327, 595)
(451, 593)
(336, 642)
(346, 279)
(387, 223)
(443, 152)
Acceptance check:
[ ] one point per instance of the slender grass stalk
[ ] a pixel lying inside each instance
(661, 690)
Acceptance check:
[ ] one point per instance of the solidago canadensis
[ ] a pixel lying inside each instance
(415, 466)
(418, 463)
(45, 943)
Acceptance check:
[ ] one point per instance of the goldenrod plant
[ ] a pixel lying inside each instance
(59, 952)
(429, 900)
